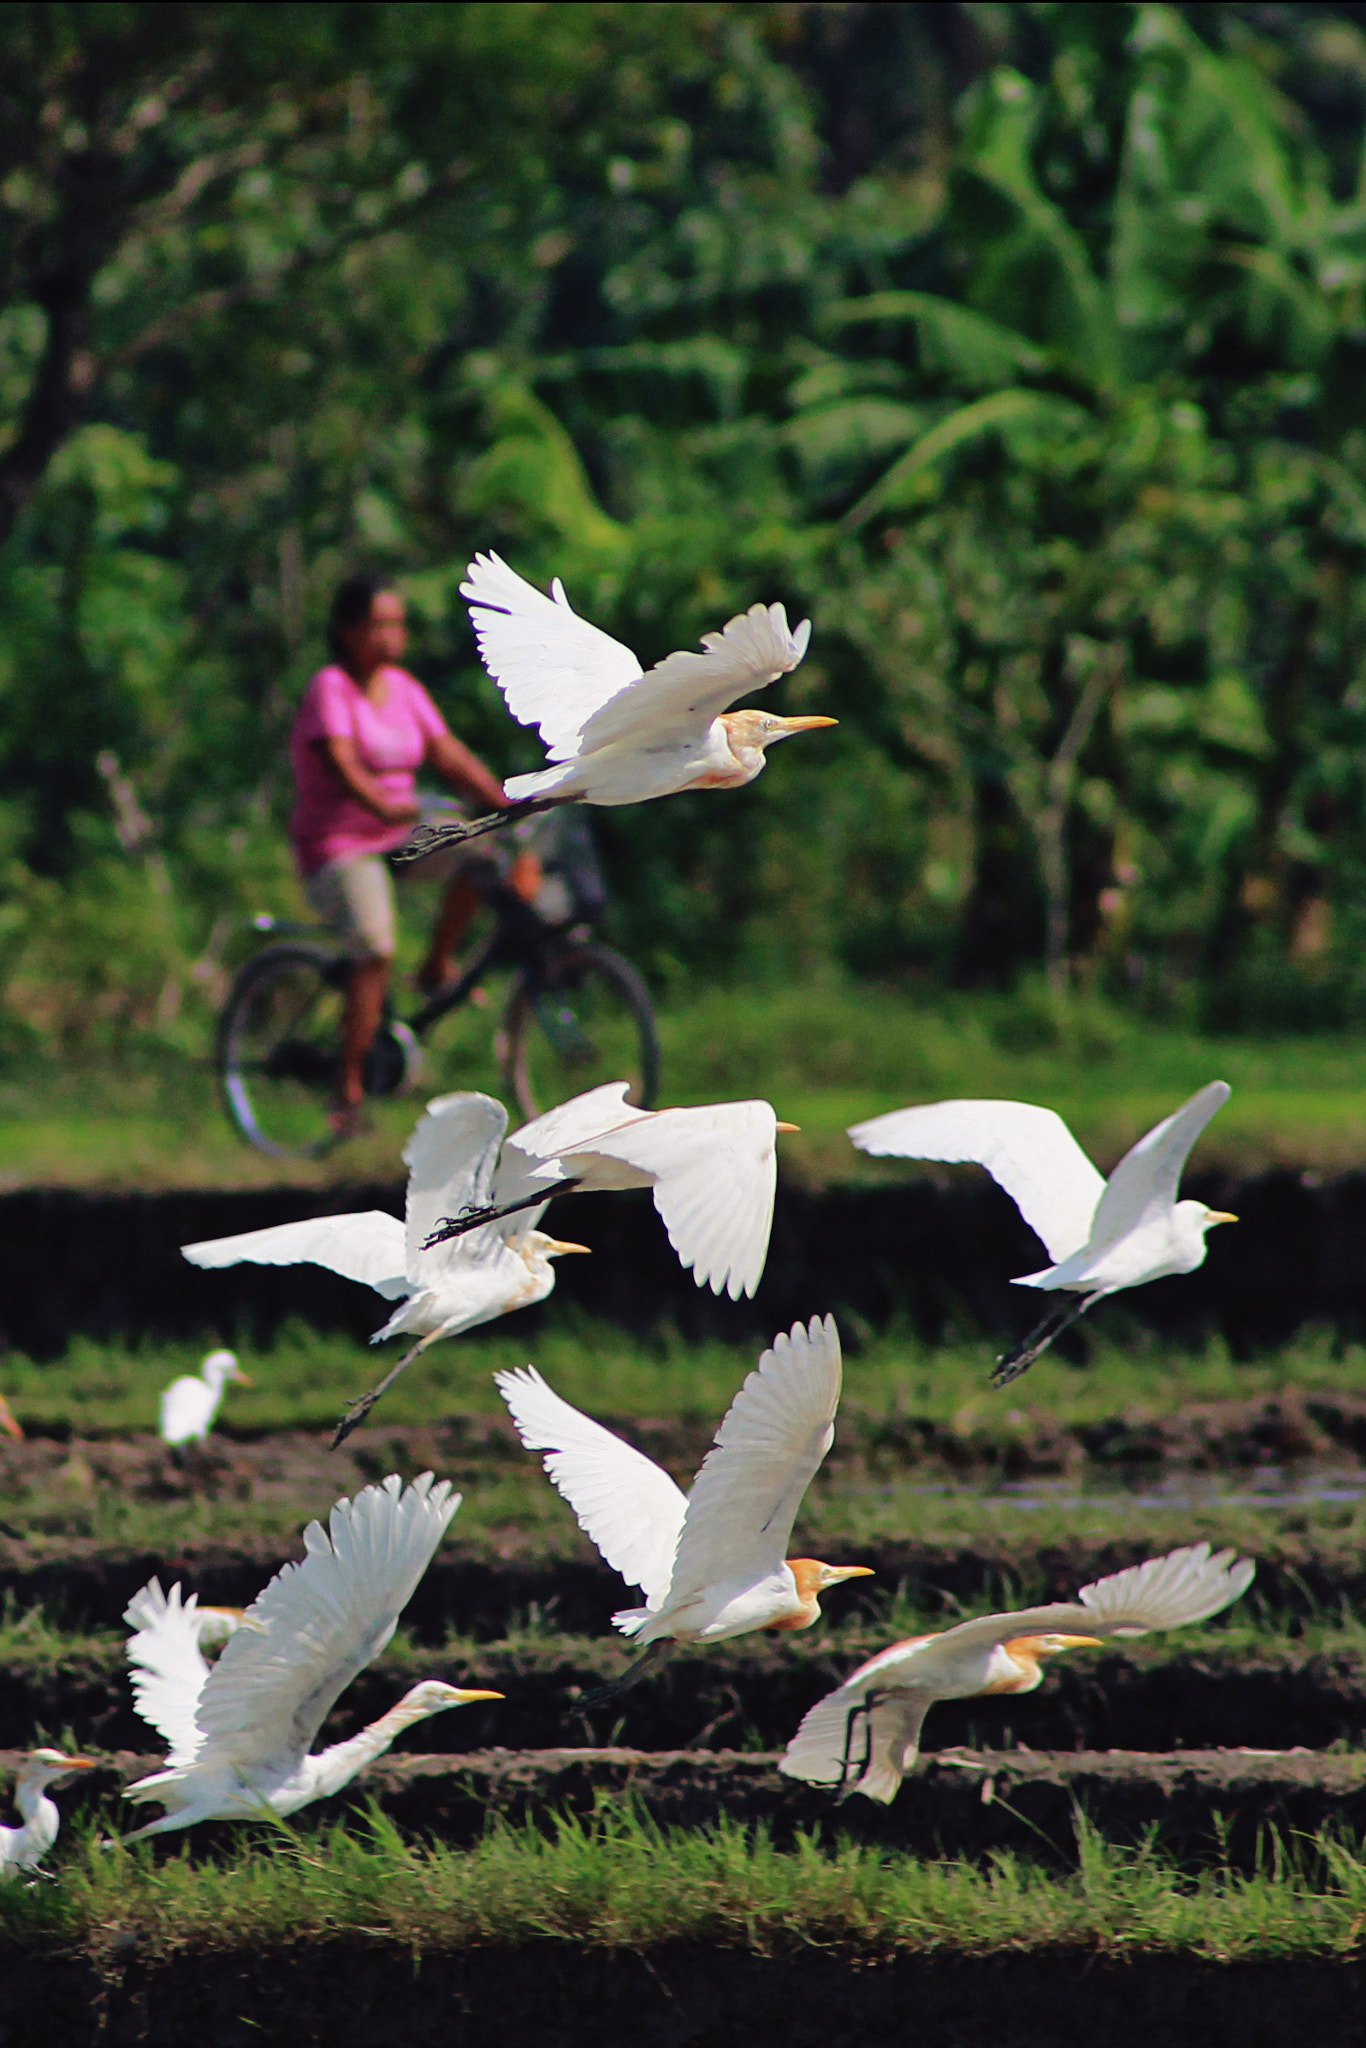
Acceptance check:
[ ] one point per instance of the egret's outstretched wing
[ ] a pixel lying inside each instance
(767, 1451)
(865, 1735)
(554, 669)
(1027, 1150)
(714, 1169)
(1185, 1586)
(531, 1156)
(319, 1623)
(451, 1157)
(168, 1666)
(1149, 1174)
(621, 1499)
(367, 1247)
(683, 693)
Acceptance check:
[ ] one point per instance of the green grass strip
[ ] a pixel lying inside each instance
(617, 1881)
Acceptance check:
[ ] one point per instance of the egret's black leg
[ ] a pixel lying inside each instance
(425, 839)
(358, 1410)
(649, 1660)
(1033, 1346)
(859, 1717)
(473, 1219)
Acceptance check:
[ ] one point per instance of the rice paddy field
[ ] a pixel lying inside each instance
(1166, 1834)
(1166, 1838)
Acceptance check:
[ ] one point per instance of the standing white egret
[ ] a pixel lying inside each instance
(1101, 1235)
(189, 1404)
(616, 735)
(469, 1250)
(24, 1848)
(713, 1563)
(865, 1736)
(240, 1732)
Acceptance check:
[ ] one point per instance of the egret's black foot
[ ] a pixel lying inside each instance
(425, 839)
(456, 1226)
(1018, 1361)
(353, 1417)
(651, 1658)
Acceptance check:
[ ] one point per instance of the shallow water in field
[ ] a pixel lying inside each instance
(1263, 1486)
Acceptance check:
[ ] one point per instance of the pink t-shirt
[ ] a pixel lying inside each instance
(328, 823)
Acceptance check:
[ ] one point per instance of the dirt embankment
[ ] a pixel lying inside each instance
(372, 1995)
(753, 1695)
(1197, 1805)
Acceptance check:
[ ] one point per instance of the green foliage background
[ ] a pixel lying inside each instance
(1021, 346)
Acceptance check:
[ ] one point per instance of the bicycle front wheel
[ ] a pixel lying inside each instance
(278, 1041)
(585, 1018)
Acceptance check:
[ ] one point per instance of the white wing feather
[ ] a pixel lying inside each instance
(1149, 1174)
(841, 1741)
(1174, 1591)
(714, 1169)
(625, 1503)
(319, 1623)
(168, 1666)
(768, 1449)
(555, 670)
(1027, 1150)
(682, 694)
(367, 1247)
(452, 1158)
(531, 1156)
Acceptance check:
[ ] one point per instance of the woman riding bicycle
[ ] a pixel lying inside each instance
(364, 728)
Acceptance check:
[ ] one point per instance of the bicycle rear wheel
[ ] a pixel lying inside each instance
(278, 1040)
(584, 1019)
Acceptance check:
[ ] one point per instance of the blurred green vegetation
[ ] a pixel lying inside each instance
(1020, 345)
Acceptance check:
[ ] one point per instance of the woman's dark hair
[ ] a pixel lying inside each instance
(351, 607)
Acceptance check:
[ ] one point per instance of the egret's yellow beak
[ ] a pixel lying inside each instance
(1219, 1216)
(82, 1763)
(805, 724)
(787, 1127)
(556, 1249)
(835, 1574)
(467, 1697)
(241, 1378)
(1080, 1642)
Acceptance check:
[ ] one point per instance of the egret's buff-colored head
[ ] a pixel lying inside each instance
(813, 1578)
(752, 731)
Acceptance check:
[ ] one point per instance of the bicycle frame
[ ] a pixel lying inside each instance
(519, 939)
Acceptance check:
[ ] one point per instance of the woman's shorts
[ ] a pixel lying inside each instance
(356, 898)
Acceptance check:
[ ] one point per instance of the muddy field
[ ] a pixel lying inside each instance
(567, 1997)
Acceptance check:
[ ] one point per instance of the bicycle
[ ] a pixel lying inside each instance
(577, 1014)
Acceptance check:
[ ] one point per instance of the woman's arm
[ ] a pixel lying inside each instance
(341, 753)
(465, 770)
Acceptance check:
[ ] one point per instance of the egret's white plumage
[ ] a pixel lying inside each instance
(865, 1736)
(239, 1733)
(469, 1249)
(616, 735)
(23, 1848)
(712, 1564)
(712, 1170)
(1101, 1235)
(189, 1404)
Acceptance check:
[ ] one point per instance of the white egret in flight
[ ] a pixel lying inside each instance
(1101, 1235)
(212, 1625)
(24, 1848)
(865, 1736)
(189, 1404)
(712, 1563)
(614, 734)
(470, 1250)
(240, 1732)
